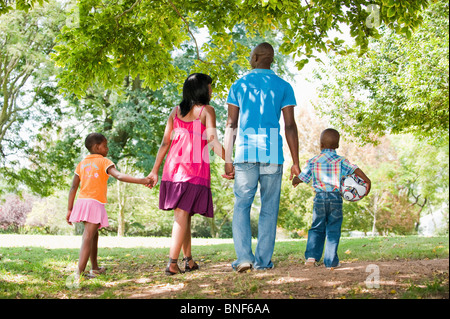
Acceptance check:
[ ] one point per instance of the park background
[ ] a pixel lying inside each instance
(377, 74)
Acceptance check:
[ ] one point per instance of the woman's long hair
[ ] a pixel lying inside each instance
(195, 91)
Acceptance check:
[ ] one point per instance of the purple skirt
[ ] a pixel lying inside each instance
(195, 199)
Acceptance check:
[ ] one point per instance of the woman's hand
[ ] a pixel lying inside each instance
(153, 177)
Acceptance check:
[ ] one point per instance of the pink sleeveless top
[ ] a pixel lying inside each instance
(188, 158)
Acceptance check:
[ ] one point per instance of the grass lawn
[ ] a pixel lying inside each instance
(33, 272)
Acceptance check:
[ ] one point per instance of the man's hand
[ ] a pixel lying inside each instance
(295, 171)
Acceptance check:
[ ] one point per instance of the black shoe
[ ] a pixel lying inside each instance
(171, 273)
(186, 265)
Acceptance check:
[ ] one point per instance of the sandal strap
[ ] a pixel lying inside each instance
(187, 258)
(173, 261)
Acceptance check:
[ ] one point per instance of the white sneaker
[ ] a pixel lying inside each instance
(243, 267)
(337, 266)
(310, 262)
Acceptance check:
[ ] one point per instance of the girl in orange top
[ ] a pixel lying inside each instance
(93, 173)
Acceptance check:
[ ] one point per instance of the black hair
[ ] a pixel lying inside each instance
(330, 138)
(195, 91)
(93, 139)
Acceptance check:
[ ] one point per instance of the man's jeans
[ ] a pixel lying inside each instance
(247, 176)
(326, 222)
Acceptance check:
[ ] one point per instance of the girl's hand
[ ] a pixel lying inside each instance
(153, 178)
(68, 217)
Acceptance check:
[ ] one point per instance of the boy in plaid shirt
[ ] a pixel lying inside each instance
(325, 170)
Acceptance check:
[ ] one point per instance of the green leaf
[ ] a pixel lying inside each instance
(391, 12)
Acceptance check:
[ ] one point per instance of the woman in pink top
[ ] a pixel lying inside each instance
(186, 179)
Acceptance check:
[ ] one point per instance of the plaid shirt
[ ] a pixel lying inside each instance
(325, 170)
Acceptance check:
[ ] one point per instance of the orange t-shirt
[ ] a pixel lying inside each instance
(94, 177)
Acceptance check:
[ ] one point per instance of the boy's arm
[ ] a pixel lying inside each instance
(361, 174)
(304, 176)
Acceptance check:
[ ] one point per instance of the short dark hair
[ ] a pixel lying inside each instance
(93, 139)
(330, 138)
(195, 91)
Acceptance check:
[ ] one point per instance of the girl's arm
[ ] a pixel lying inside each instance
(163, 149)
(127, 178)
(72, 193)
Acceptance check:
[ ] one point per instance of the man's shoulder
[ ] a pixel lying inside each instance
(252, 79)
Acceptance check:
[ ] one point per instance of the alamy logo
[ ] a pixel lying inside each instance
(373, 20)
(373, 280)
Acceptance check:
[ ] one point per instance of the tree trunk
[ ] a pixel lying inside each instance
(375, 211)
(121, 199)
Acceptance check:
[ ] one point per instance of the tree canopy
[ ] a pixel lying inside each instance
(399, 86)
(121, 65)
(108, 40)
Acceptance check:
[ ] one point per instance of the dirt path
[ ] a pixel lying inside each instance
(380, 280)
(290, 279)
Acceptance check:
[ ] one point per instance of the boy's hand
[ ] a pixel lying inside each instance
(296, 181)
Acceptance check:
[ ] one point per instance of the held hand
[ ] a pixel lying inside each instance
(153, 180)
(229, 171)
(296, 181)
(295, 171)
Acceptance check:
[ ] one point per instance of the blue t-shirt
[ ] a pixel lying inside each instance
(260, 96)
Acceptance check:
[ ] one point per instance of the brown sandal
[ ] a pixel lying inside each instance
(98, 271)
(171, 273)
(186, 264)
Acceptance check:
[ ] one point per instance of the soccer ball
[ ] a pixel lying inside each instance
(352, 187)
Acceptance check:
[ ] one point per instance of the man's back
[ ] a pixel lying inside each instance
(260, 96)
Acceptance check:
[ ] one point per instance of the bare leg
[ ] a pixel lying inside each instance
(181, 224)
(186, 246)
(86, 246)
(94, 251)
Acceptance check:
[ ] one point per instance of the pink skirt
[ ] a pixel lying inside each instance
(91, 211)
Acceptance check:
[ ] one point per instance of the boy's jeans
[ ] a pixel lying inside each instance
(247, 176)
(326, 222)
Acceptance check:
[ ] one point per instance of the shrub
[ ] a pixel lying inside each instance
(14, 212)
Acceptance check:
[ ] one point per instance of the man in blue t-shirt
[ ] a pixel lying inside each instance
(255, 103)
